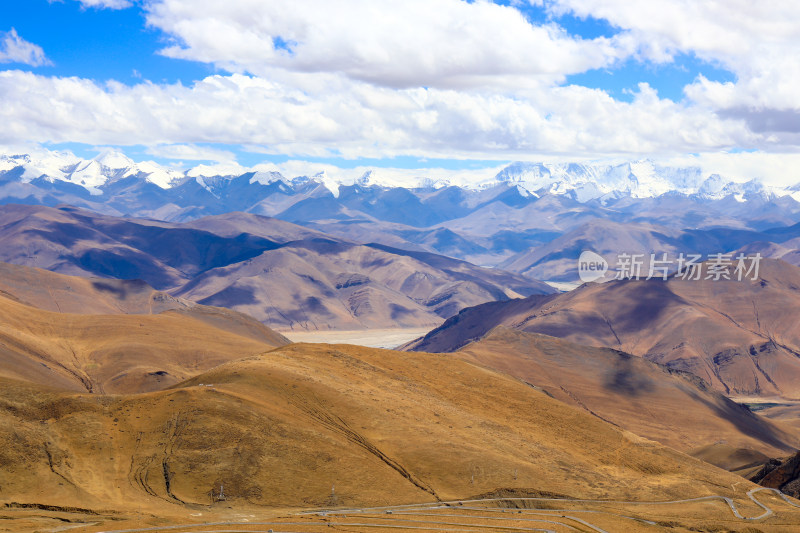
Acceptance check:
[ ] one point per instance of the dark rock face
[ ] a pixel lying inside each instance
(783, 476)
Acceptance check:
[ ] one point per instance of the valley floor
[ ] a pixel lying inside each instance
(372, 338)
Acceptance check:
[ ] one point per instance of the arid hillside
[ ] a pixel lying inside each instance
(121, 421)
(672, 407)
(61, 293)
(739, 336)
(320, 425)
(117, 353)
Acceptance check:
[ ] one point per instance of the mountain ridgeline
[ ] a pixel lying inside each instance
(284, 275)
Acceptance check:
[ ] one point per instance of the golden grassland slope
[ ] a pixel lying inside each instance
(743, 461)
(72, 294)
(740, 336)
(283, 428)
(671, 407)
(123, 353)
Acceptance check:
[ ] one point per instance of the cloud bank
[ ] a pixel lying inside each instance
(429, 78)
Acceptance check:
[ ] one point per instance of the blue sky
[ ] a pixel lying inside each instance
(98, 44)
(509, 87)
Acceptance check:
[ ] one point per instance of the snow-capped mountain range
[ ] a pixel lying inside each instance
(482, 218)
(90, 174)
(638, 179)
(581, 182)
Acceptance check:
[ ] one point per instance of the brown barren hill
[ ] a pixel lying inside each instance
(740, 336)
(72, 294)
(283, 428)
(123, 353)
(283, 275)
(743, 461)
(325, 283)
(668, 406)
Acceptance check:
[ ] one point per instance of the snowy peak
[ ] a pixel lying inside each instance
(430, 183)
(114, 161)
(114, 166)
(219, 170)
(329, 183)
(91, 174)
(365, 180)
(532, 176)
(51, 165)
(88, 174)
(10, 162)
(637, 179)
(156, 174)
(713, 187)
(267, 178)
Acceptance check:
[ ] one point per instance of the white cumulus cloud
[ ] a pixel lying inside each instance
(356, 119)
(15, 49)
(431, 43)
(756, 41)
